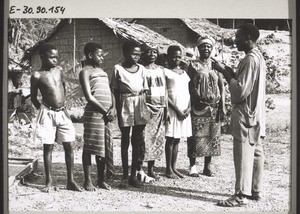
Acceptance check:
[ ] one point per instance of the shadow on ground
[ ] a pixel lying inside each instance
(164, 186)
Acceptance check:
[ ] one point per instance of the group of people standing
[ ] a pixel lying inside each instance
(155, 107)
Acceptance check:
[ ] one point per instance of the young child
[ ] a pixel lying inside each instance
(129, 84)
(98, 113)
(157, 101)
(53, 121)
(179, 109)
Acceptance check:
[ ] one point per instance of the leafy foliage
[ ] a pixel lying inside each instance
(24, 33)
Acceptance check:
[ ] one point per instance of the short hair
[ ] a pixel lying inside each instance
(173, 48)
(91, 47)
(129, 46)
(251, 30)
(45, 48)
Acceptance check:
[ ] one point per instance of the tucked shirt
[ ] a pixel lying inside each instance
(127, 82)
(132, 105)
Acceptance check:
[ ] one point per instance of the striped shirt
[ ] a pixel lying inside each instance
(156, 79)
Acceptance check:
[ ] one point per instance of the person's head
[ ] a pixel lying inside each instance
(246, 36)
(49, 55)
(131, 52)
(149, 53)
(174, 55)
(93, 53)
(205, 46)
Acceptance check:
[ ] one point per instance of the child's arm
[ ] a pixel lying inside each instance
(187, 111)
(34, 90)
(167, 115)
(224, 69)
(111, 113)
(85, 84)
(222, 92)
(180, 114)
(63, 80)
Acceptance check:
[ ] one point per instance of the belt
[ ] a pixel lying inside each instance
(133, 94)
(214, 105)
(53, 108)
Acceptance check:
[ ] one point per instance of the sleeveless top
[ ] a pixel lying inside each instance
(99, 84)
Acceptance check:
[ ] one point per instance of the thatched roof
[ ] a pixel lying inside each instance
(204, 27)
(140, 34)
(123, 30)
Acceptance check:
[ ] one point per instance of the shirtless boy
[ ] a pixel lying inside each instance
(53, 122)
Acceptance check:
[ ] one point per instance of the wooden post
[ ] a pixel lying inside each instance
(233, 26)
(288, 25)
(74, 45)
(218, 22)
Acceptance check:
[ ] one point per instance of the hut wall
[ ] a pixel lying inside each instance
(173, 29)
(87, 30)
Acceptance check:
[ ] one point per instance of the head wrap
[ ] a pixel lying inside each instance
(206, 40)
(146, 47)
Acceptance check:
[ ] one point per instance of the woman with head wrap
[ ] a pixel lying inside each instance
(207, 99)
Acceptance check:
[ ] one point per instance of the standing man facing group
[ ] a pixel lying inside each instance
(247, 90)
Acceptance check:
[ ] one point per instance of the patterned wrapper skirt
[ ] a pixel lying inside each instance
(155, 136)
(98, 138)
(206, 133)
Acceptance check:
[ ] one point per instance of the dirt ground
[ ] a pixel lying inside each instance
(187, 194)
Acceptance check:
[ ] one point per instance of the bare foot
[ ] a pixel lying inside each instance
(208, 173)
(154, 175)
(178, 173)
(171, 175)
(103, 185)
(72, 185)
(88, 186)
(49, 188)
(135, 183)
(124, 182)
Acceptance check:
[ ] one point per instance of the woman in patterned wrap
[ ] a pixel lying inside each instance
(207, 99)
(157, 101)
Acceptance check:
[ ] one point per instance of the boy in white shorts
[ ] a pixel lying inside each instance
(53, 122)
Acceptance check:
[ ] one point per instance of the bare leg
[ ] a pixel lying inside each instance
(192, 161)
(207, 166)
(193, 172)
(48, 166)
(86, 162)
(136, 138)
(174, 158)
(151, 170)
(169, 154)
(69, 157)
(139, 166)
(100, 168)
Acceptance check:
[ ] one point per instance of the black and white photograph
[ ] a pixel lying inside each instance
(149, 114)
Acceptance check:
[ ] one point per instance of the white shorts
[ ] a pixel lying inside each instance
(54, 126)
